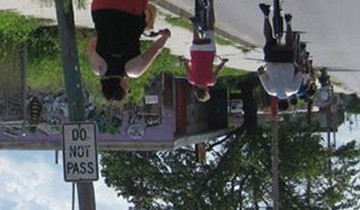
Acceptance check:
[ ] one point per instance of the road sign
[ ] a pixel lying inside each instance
(80, 152)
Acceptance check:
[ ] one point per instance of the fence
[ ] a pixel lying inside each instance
(13, 83)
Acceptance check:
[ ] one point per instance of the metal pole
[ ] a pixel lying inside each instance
(275, 165)
(275, 153)
(73, 196)
(329, 127)
(23, 67)
(70, 60)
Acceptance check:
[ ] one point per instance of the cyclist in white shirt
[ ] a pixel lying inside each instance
(278, 76)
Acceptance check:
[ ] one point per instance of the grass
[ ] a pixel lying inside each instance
(179, 21)
(186, 24)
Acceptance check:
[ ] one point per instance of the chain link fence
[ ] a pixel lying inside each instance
(13, 84)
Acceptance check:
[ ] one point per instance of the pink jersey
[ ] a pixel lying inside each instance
(131, 6)
(201, 68)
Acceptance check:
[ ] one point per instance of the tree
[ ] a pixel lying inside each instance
(338, 186)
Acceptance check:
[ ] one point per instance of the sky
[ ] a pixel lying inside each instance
(31, 180)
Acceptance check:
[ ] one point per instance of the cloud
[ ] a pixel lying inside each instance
(31, 183)
(106, 198)
(31, 180)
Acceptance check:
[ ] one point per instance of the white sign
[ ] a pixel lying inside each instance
(151, 99)
(80, 152)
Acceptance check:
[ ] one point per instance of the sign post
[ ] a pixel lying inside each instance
(73, 86)
(80, 152)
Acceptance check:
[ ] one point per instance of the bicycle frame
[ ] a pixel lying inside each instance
(278, 21)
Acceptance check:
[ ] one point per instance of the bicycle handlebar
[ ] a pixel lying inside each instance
(152, 34)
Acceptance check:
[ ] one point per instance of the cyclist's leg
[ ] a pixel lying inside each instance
(209, 35)
(194, 21)
(268, 33)
(196, 36)
(211, 15)
(289, 38)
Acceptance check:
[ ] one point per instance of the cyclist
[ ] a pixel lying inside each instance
(115, 53)
(199, 69)
(278, 76)
(323, 94)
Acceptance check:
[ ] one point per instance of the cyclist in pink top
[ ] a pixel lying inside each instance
(199, 69)
(114, 54)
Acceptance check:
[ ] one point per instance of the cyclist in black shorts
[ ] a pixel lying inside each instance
(115, 53)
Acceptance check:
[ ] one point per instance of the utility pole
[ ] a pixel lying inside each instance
(73, 86)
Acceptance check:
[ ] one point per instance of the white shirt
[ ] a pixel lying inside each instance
(280, 80)
(323, 96)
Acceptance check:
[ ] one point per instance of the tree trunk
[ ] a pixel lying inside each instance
(249, 103)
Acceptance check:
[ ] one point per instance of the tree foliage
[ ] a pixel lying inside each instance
(238, 174)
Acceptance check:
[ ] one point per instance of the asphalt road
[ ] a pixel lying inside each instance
(331, 29)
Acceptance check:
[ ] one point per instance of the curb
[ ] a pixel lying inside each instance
(183, 13)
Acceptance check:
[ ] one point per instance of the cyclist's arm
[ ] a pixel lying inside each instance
(219, 67)
(138, 65)
(298, 79)
(261, 70)
(97, 63)
(265, 81)
(187, 66)
(264, 77)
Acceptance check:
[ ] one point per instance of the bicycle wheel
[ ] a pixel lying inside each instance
(201, 15)
(277, 21)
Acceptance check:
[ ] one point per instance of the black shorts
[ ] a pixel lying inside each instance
(118, 38)
(118, 32)
(278, 53)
